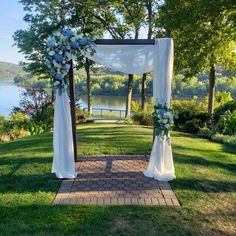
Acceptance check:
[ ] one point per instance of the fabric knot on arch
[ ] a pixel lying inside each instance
(127, 58)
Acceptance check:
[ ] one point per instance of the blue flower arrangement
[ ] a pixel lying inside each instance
(162, 119)
(61, 48)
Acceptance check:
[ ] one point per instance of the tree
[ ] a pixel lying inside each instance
(47, 17)
(134, 15)
(33, 102)
(203, 32)
(151, 9)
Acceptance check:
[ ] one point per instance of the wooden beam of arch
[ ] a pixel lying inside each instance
(125, 41)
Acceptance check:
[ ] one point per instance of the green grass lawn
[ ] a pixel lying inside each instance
(205, 185)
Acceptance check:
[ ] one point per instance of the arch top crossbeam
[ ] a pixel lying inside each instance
(124, 41)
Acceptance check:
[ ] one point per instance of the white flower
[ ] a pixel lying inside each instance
(165, 121)
(51, 53)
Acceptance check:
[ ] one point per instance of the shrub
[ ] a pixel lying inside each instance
(135, 106)
(18, 133)
(128, 121)
(45, 115)
(38, 127)
(143, 118)
(4, 137)
(193, 126)
(226, 124)
(205, 132)
(222, 98)
(188, 105)
(81, 115)
(191, 115)
(219, 111)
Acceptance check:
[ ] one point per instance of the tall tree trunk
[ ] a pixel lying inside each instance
(129, 96)
(211, 94)
(89, 94)
(144, 78)
(144, 93)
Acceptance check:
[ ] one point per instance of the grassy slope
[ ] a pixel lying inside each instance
(205, 184)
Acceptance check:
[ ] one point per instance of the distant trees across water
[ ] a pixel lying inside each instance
(104, 82)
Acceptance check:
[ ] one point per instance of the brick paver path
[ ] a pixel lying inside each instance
(114, 180)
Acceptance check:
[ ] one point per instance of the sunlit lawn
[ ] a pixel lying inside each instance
(205, 185)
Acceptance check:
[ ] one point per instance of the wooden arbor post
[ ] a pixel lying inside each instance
(72, 108)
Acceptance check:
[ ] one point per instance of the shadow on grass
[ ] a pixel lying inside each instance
(30, 183)
(35, 143)
(204, 185)
(198, 160)
(25, 160)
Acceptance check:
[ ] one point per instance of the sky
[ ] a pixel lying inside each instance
(11, 19)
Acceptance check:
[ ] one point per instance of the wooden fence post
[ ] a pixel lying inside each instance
(72, 108)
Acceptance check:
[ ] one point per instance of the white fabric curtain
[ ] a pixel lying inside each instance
(161, 166)
(63, 158)
(130, 59)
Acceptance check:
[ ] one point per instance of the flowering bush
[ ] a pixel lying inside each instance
(162, 119)
(62, 47)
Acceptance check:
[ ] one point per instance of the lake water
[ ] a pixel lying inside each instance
(9, 97)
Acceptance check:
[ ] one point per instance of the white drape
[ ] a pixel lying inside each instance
(161, 166)
(63, 159)
(130, 59)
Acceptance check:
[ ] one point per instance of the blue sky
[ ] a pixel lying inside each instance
(11, 19)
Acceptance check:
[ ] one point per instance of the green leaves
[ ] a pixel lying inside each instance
(203, 32)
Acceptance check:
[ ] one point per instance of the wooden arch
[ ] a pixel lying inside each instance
(72, 82)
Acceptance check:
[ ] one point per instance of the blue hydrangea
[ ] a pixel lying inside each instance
(74, 45)
(58, 57)
(83, 41)
(162, 111)
(67, 32)
(66, 66)
(51, 42)
(63, 48)
(47, 62)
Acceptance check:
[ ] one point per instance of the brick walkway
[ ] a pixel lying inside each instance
(114, 180)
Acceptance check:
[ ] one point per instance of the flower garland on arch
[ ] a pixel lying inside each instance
(163, 119)
(62, 47)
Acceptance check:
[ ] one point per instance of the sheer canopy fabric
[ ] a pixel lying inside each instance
(130, 59)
